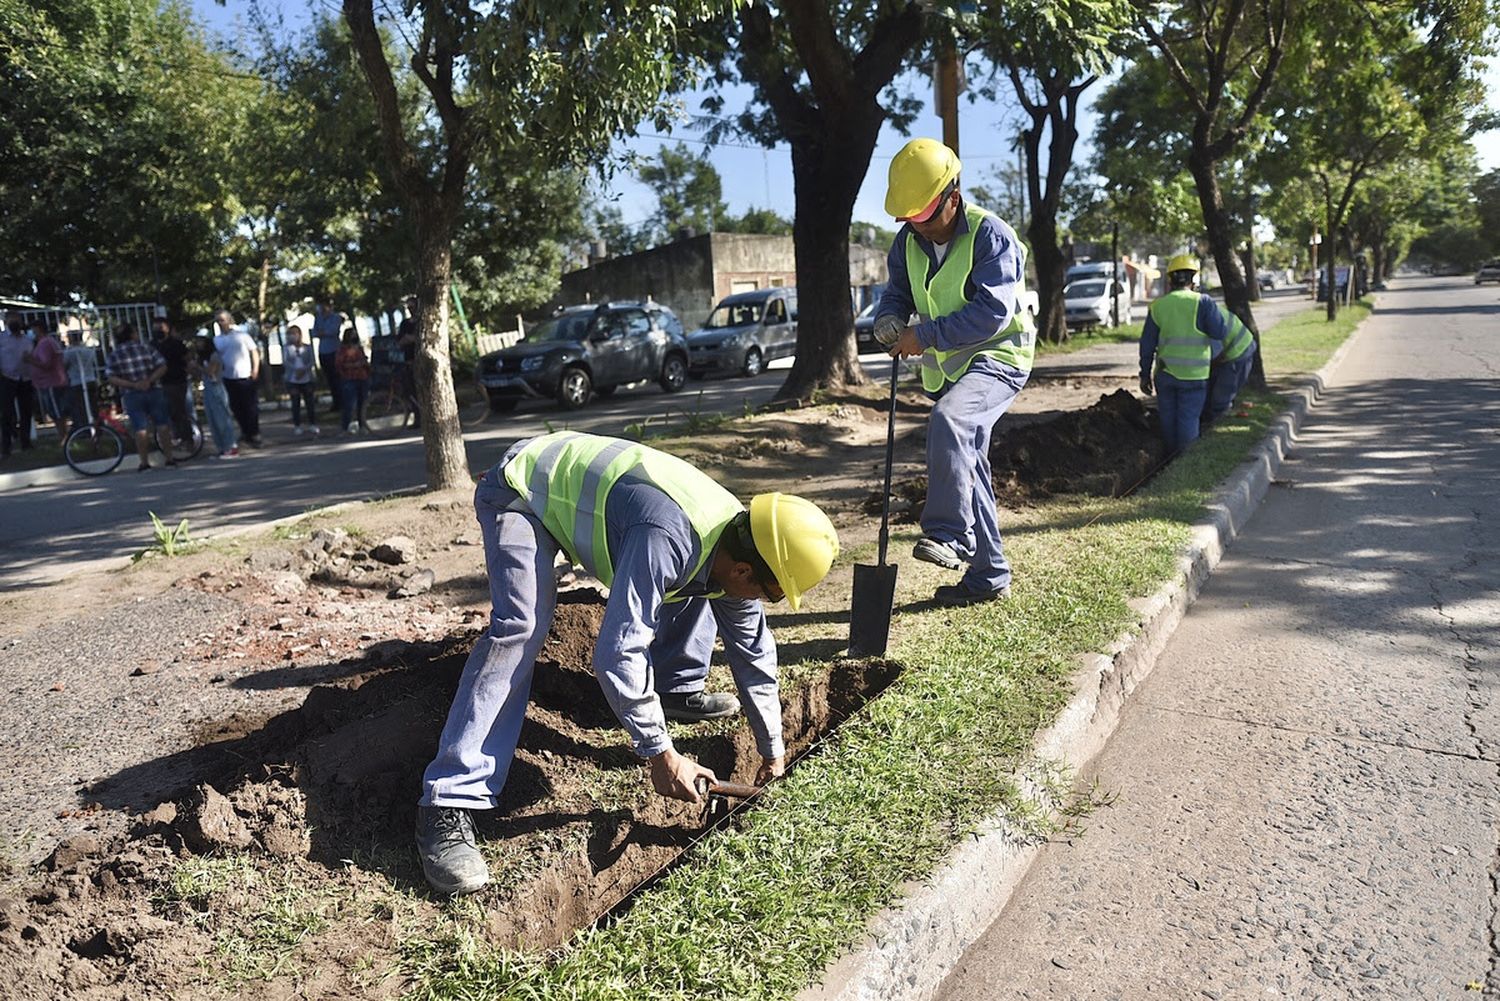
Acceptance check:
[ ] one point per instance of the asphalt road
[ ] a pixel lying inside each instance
(48, 532)
(1308, 786)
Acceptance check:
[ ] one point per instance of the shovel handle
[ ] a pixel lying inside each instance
(890, 454)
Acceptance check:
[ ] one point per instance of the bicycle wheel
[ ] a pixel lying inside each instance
(94, 450)
(189, 447)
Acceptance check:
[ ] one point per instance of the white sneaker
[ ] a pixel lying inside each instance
(315, 431)
(297, 430)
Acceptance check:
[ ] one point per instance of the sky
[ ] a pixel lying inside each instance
(754, 177)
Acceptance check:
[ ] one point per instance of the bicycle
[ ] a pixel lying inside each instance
(98, 447)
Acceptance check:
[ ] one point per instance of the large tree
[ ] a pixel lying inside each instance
(1050, 55)
(1222, 58)
(819, 71)
(689, 192)
(511, 82)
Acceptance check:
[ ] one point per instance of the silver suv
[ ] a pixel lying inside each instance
(745, 331)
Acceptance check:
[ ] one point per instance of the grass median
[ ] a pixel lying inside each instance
(760, 910)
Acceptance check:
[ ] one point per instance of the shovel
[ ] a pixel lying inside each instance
(875, 587)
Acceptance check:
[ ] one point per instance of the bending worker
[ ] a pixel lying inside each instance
(681, 557)
(1187, 335)
(962, 271)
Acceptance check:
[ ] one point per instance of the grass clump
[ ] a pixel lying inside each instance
(1079, 340)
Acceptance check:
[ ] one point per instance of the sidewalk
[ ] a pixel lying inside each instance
(1308, 784)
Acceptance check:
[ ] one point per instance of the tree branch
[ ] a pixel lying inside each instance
(886, 51)
(406, 170)
(759, 62)
(1174, 66)
(829, 70)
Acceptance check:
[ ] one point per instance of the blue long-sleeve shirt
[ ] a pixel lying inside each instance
(1212, 318)
(654, 549)
(991, 288)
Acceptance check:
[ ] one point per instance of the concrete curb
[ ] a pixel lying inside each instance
(913, 945)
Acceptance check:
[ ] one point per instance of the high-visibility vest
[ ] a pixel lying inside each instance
(1015, 345)
(1239, 340)
(565, 478)
(1183, 350)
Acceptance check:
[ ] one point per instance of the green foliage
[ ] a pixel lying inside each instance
(688, 192)
(169, 541)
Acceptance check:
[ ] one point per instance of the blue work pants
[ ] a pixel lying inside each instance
(960, 507)
(1180, 404)
(484, 724)
(1224, 383)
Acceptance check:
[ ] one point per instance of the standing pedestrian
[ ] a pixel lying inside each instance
(136, 368)
(216, 401)
(49, 377)
(962, 270)
(15, 385)
(82, 363)
(327, 331)
(297, 359)
(407, 339)
(354, 380)
(241, 359)
(175, 383)
(1184, 332)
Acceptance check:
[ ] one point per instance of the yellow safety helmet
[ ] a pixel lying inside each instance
(919, 174)
(1182, 262)
(796, 540)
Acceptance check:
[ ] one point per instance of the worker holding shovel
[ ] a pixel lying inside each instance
(682, 559)
(962, 271)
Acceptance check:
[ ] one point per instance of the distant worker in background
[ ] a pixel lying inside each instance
(962, 270)
(1185, 331)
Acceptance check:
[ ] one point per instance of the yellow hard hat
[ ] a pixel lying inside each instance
(919, 174)
(796, 540)
(1182, 262)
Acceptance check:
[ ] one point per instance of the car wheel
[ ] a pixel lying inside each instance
(502, 404)
(574, 388)
(754, 364)
(605, 391)
(673, 374)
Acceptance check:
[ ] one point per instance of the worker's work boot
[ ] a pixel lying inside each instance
(961, 594)
(937, 553)
(445, 840)
(694, 706)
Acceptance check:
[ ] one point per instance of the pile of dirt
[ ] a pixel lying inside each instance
(329, 788)
(1106, 450)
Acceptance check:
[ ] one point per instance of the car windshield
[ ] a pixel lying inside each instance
(568, 327)
(734, 314)
(1084, 290)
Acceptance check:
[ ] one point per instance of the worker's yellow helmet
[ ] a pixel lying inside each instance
(796, 540)
(1183, 262)
(919, 174)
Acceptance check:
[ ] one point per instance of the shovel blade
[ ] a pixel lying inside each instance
(870, 609)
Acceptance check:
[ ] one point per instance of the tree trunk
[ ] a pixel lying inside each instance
(1051, 266)
(1251, 277)
(1221, 244)
(827, 172)
(260, 323)
(442, 435)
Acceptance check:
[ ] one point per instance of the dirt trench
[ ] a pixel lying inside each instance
(332, 785)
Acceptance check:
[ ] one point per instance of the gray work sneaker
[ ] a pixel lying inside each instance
(937, 553)
(955, 595)
(445, 841)
(695, 706)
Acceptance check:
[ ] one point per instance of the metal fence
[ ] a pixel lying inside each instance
(96, 323)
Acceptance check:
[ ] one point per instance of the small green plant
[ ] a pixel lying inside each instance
(169, 541)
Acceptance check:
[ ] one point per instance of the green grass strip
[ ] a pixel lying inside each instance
(1125, 333)
(761, 911)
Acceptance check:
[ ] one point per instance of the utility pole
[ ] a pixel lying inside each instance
(1114, 272)
(947, 92)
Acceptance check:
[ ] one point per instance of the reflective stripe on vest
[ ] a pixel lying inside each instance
(1183, 350)
(565, 478)
(1015, 345)
(1239, 340)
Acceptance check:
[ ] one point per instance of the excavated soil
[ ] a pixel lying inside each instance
(330, 785)
(1107, 450)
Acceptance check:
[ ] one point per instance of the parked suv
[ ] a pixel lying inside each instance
(587, 351)
(745, 331)
(1488, 272)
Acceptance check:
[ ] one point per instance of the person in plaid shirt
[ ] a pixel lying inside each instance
(136, 368)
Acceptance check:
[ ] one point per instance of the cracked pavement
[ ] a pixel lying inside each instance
(1308, 785)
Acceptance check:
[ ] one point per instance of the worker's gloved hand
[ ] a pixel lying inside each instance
(887, 330)
(1146, 386)
(770, 768)
(676, 777)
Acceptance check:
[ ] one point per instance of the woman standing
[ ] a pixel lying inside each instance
(216, 400)
(354, 380)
